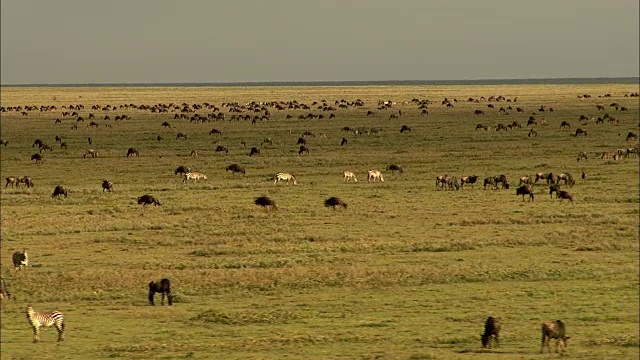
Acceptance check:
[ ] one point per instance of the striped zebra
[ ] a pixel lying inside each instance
(348, 175)
(195, 176)
(374, 175)
(285, 177)
(37, 320)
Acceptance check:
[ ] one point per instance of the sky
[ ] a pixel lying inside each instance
(171, 41)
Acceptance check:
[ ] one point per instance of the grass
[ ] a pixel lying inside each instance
(407, 271)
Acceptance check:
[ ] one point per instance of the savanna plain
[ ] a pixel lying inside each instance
(407, 271)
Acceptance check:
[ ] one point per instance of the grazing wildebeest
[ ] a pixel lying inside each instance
(483, 127)
(182, 170)
(308, 133)
(564, 195)
(491, 330)
(502, 180)
(525, 180)
(132, 151)
(37, 143)
(221, 148)
(335, 202)
(107, 186)
(479, 112)
(93, 153)
(344, 141)
(393, 116)
(490, 182)
(303, 149)
(20, 260)
(37, 158)
(567, 178)
(181, 136)
(532, 133)
(468, 180)
(45, 147)
(164, 287)
(59, 190)
(264, 202)
(254, 151)
(26, 180)
(215, 132)
(582, 155)
(235, 168)
(599, 107)
(148, 200)
(632, 136)
(565, 124)
(301, 141)
(394, 167)
(166, 124)
(555, 188)
(525, 190)
(553, 330)
(374, 175)
(580, 131)
(11, 180)
(348, 175)
(63, 145)
(405, 128)
(370, 113)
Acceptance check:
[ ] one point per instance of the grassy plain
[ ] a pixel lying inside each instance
(407, 271)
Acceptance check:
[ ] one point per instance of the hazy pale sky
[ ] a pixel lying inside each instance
(123, 41)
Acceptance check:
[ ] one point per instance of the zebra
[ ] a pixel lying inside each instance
(374, 175)
(348, 175)
(20, 260)
(37, 320)
(11, 180)
(195, 176)
(285, 177)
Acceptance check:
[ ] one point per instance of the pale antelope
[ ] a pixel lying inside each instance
(285, 177)
(195, 176)
(374, 175)
(348, 175)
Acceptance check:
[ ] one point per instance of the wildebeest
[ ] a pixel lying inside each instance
(525, 180)
(181, 135)
(303, 149)
(37, 158)
(479, 112)
(264, 202)
(532, 133)
(215, 132)
(580, 131)
(6, 142)
(582, 155)
(567, 178)
(235, 168)
(405, 128)
(166, 124)
(374, 175)
(20, 260)
(59, 190)
(182, 170)
(632, 136)
(525, 190)
(491, 330)
(502, 180)
(344, 141)
(107, 186)
(63, 145)
(335, 202)
(394, 167)
(605, 155)
(90, 152)
(37, 143)
(564, 195)
(301, 141)
(148, 200)
(11, 180)
(468, 180)
(565, 124)
(490, 182)
(482, 126)
(221, 148)
(348, 175)
(254, 151)
(548, 177)
(553, 330)
(555, 188)
(132, 151)
(164, 287)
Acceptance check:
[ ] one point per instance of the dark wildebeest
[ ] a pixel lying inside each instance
(58, 139)
(132, 151)
(63, 145)
(565, 124)
(254, 151)
(265, 201)
(567, 178)
(632, 136)
(468, 180)
(221, 148)
(302, 141)
(549, 178)
(491, 330)
(344, 141)
(553, 330)
(235, 168)
(37, 143)
(405, 128)
(581, 155)
(20, 260)
(370, 113)
(148, 200)
(45, 147)
(532, 133)
(564, 195)
(182, 170)
(483, 127)
(303, 149)
(107, 186)
(502, 180)
(164, 287)
(215, 132)
(394, 167)
(555, 188)
(334, 202)
(490, 182)
(59, 190)
(580, 131)
(166, 124)
(181, 136)
(525, 190)
(479, 112)
(37, 158)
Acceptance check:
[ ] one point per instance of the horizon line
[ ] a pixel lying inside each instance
(495, 81)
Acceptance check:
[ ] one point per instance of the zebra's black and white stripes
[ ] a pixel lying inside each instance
(38, 320)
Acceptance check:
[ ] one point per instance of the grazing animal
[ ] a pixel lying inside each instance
(374, 175)
(549, 178)
(132, 151)
(182, 170)
(20, 260)
(5, 142)
(491, 330)
(394, 168)
(195, 176)
(581, 131)
(38, 158)
(254, 151)
(303, 149)
(38, 320)
(567, 178)
(501, 179)
(90, 152)
(553, 330)
(215, 132)
(582, 155)
(335, 202)
(221, 148)
(148, 200)
(166, 124)
(565, 124)
(525, 180)
(11, 180)
(163, 287)
(468, 180)
(344, 141)
(26, 180)
(532, 133)
(632, 136)
(491, 183)
(483, 127)
(235, 168)
(107, 186)
(605, 155)
(59, 190)
(348, 175)
(37, 143)
(4, 291)
(564, 195)
(525, 190)
(63, 145)
(264, 202)
(285, 177)
(302, 141)
(405, 128)
(181, 136)
(555, 188)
